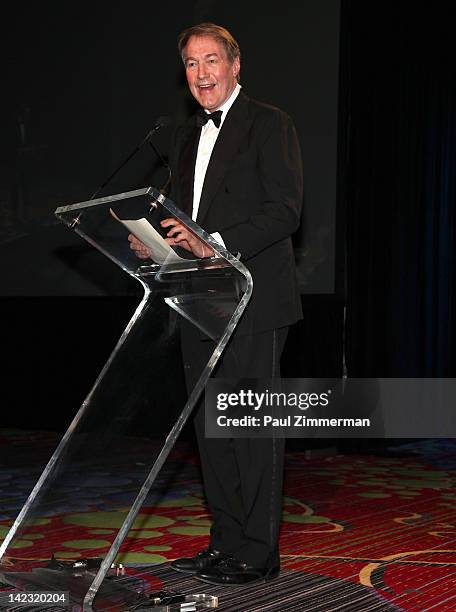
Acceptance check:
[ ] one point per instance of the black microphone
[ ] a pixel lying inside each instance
(161, 122)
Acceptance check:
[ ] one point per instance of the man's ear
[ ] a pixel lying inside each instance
(236, 66)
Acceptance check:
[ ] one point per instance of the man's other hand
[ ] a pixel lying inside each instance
(139, 247)
(179, 235)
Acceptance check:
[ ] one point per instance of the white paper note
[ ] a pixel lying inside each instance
(160, 250)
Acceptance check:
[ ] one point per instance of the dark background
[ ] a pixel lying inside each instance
(86, 85)
(377, 251)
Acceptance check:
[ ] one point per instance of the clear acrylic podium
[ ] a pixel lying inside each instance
(211, 294)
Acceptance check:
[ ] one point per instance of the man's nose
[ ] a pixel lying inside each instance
(202, 70)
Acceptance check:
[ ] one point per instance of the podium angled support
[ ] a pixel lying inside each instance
(135, 384)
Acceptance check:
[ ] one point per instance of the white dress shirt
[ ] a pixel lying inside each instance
(209, 134)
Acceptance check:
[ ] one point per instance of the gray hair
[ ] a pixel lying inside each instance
(210, 29)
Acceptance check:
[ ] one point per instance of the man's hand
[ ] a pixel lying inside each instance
(181, 236)
(178, 235)
(139, 247)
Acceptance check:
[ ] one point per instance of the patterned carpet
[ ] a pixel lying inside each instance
(360, 532)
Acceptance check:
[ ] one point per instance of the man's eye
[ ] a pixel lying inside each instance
(191, 64)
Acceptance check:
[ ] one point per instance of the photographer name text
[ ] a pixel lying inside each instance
(295, 420)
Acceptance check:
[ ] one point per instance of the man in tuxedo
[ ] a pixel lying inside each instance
(237, 172)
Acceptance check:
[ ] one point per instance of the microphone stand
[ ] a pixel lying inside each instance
(161, 122)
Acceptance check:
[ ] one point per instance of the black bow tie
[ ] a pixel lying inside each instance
(202, 118)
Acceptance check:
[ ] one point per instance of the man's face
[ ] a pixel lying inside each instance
(210, 75)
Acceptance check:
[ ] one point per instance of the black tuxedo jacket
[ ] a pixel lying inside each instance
(252, 196)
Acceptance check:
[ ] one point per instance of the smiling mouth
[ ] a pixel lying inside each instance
(206, 87)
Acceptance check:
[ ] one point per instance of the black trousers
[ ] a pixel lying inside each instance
(242, 477)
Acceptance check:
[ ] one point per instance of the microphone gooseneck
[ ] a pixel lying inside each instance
(161, 122)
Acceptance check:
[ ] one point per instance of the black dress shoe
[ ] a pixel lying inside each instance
(230, 572)
(203, 560)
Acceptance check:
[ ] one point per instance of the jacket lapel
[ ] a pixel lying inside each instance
(233, 130)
